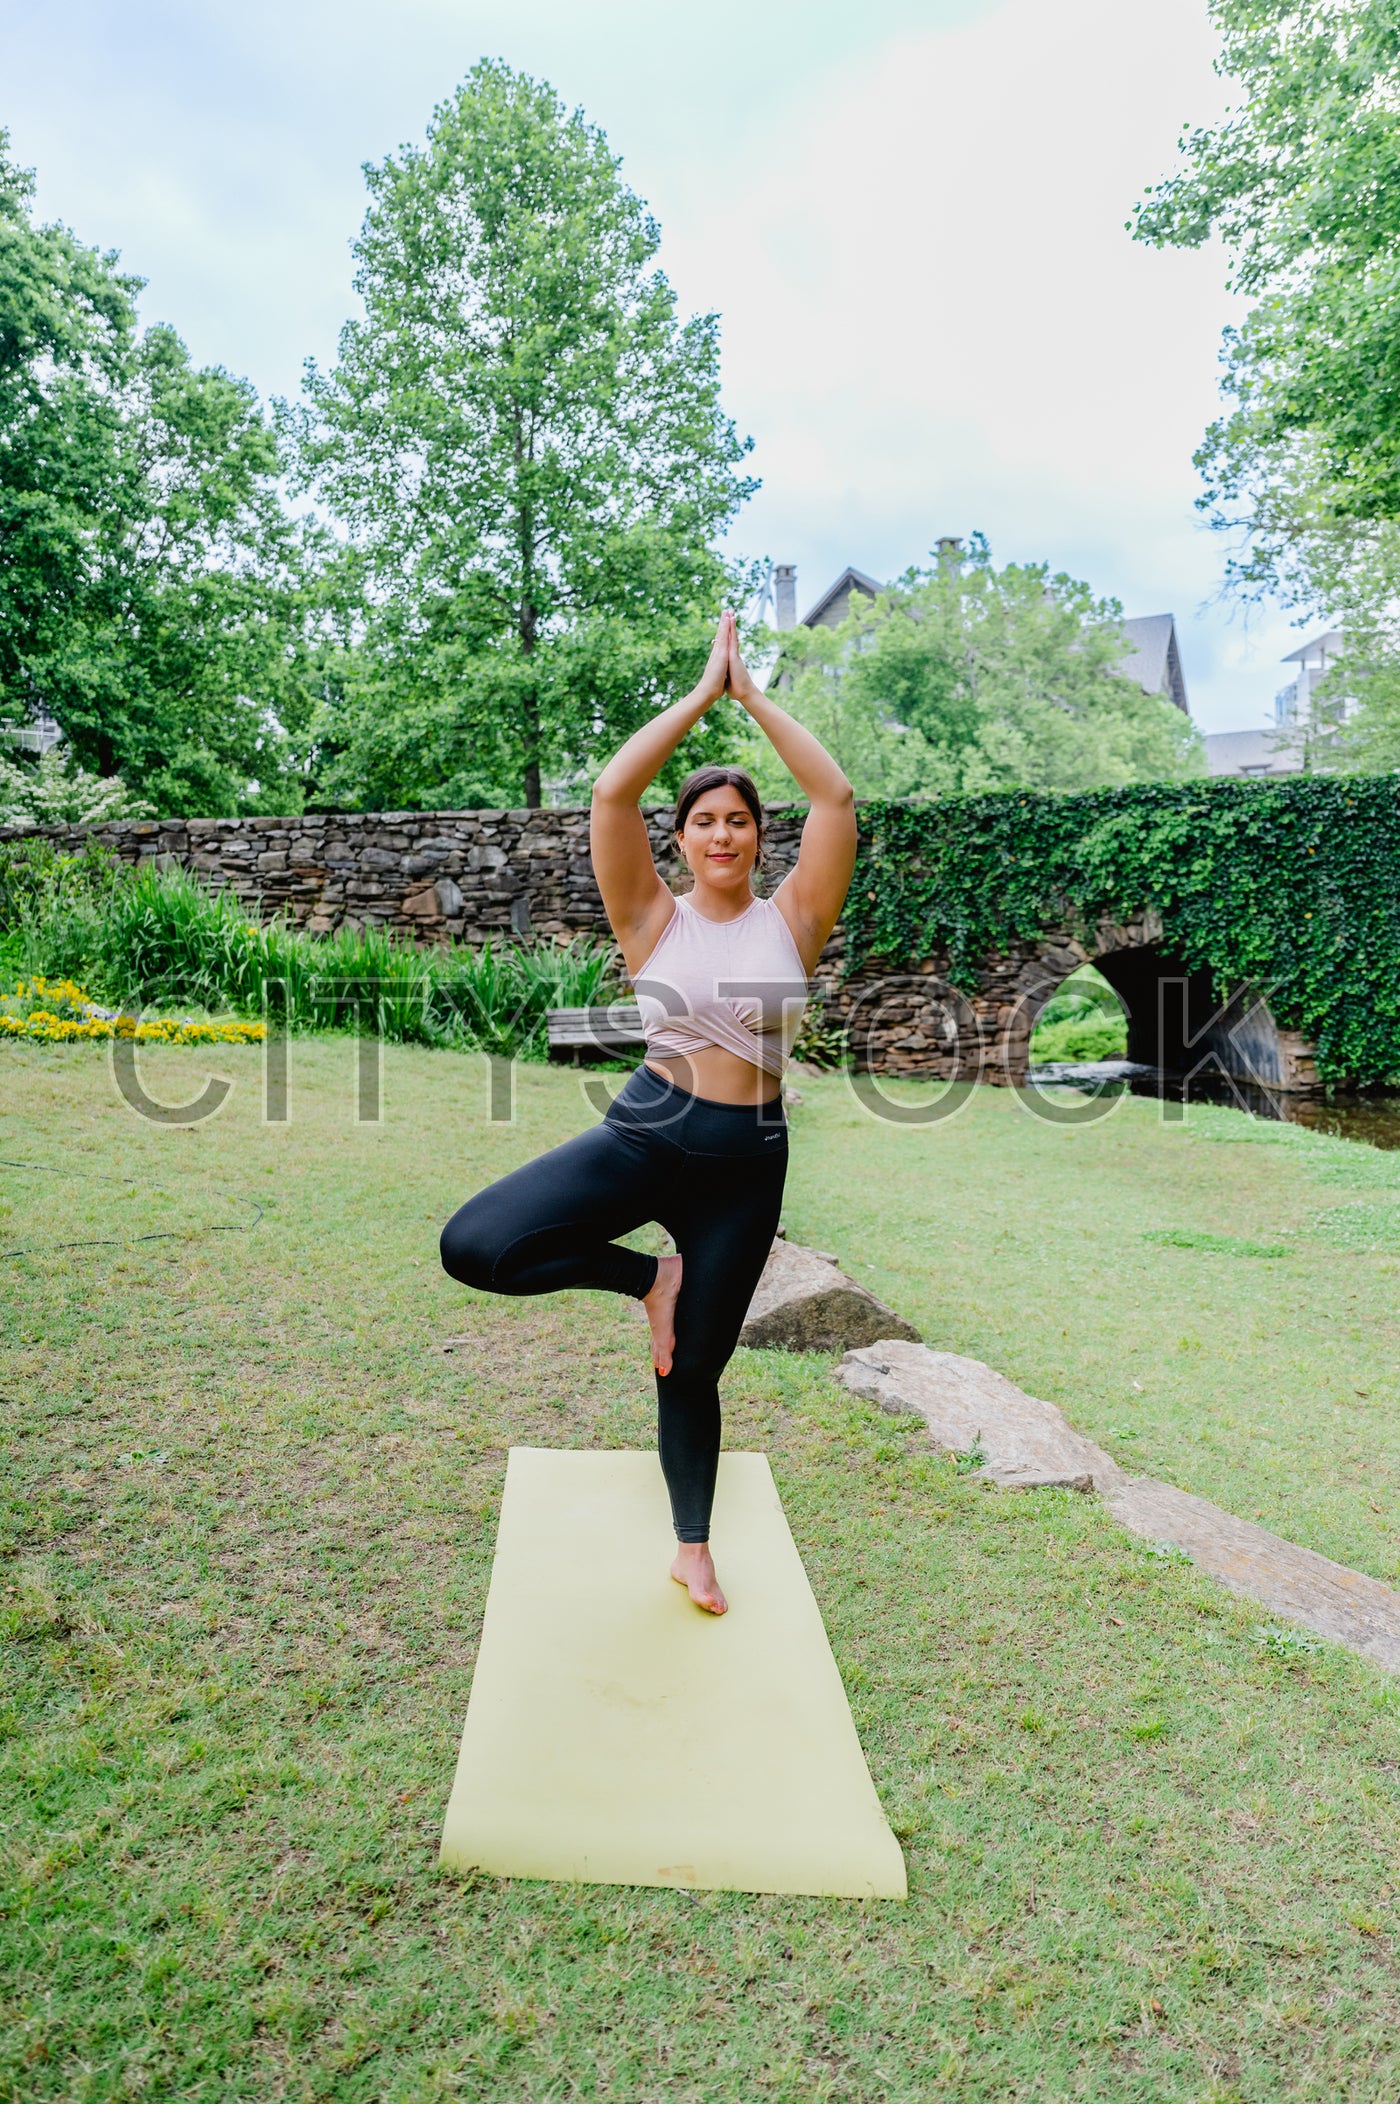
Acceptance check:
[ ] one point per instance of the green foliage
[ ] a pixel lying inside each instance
(1289, 1646)
(153, 590)
(964, 678)
(528, 448)
(1090, 1036)
(1302, 182)
(1294, 885)
(1085, 993)
(159, 937)
(1084, 1020)
(52, 905)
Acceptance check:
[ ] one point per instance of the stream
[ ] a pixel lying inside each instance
(1373, 1120)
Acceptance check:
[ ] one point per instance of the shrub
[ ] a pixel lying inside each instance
(1083, 1021)
(52, 905)
(159, 936)
(1083, 1038)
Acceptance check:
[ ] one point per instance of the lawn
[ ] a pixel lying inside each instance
(248, 1511)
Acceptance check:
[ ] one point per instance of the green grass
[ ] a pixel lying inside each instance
(1086, 1263)
(248, 1511)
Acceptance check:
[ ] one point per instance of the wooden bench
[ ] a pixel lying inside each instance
(614, 1030)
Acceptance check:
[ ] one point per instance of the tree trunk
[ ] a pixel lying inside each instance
(529, 619)
(530, 713)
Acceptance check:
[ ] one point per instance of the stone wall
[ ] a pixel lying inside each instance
(469, 875)
(424, 875)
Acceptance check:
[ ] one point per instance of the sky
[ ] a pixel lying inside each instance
(910, 217)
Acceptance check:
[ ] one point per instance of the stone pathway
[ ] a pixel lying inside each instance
(1027, 1444)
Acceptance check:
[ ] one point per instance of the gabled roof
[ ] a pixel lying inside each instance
(1153, 658)
(849, 581)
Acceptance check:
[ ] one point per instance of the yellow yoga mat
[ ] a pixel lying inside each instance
(618, 1735)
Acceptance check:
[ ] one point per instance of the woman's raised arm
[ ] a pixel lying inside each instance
(637, 903)
(811, 896)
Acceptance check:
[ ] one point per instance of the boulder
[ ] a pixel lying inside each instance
(804, 1302)
(1025, 1444)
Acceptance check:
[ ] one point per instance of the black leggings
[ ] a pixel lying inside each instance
(712, 1175)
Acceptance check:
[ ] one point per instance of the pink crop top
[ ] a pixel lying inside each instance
(738, 984)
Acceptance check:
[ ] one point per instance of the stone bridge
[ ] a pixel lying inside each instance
(917, 1022)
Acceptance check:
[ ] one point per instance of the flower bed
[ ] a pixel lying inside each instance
(60, 1012)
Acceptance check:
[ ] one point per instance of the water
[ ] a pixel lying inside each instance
(1373, 1120)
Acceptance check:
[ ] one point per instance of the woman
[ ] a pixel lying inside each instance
(696, 1139)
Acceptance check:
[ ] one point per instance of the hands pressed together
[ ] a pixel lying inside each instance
(725, 671)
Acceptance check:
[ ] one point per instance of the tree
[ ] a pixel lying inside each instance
(1302, 182)
(528, 450)
(154, 594)
(963, 677)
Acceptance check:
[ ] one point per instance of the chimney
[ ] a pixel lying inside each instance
(785, 595)
(949, 552)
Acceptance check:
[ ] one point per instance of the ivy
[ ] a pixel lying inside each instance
(1293, 885)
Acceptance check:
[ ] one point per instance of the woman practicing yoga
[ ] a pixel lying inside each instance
(696, 1139)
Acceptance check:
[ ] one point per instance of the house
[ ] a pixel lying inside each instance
(1282, 748)
(1256, 753)
(835, 602)
(1153, 656)
(39, 735)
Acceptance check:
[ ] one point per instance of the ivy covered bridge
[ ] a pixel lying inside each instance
(1252, 927)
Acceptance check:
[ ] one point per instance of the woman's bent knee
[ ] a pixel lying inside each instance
(468, 1250)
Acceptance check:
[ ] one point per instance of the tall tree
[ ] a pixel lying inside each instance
(527, 446)
(154, 595)
(963, 677)
(1301, 180)
(67, 327)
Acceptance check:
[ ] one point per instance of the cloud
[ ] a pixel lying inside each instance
(934, 318)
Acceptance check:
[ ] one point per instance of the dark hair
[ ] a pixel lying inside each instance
(706, 778)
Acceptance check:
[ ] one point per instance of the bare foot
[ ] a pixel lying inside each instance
(694, 1568)
(660, 1305)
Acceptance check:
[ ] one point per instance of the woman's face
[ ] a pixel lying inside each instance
(720, 838)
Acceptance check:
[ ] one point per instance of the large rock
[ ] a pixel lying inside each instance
(804, 1302)
(1025, 1444)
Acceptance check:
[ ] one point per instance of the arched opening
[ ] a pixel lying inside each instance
(1170, 1010)
(1146, 1012)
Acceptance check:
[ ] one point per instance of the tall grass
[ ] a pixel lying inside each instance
(159, 937)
